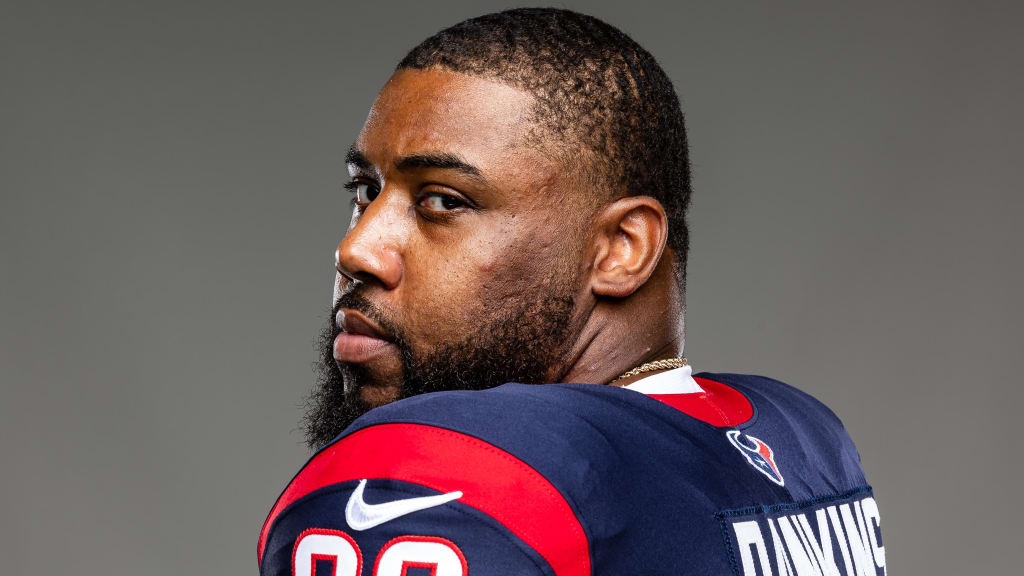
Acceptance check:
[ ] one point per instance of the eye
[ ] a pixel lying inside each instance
(363, 192)
(440, 202)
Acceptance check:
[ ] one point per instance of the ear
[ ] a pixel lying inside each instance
(630, 236)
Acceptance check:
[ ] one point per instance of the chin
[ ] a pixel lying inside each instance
(375, 396)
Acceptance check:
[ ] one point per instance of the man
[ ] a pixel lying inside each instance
(520, 191)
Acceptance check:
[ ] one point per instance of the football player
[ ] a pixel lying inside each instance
(503, 390)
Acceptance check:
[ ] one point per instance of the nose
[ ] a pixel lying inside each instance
(372, 250)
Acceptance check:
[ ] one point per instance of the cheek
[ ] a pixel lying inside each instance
(451, 287)
(441, 293)
(533, 262)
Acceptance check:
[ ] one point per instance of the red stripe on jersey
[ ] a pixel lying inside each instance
(491, 480)
(719, 405)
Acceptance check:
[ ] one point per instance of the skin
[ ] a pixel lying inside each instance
(436, 246)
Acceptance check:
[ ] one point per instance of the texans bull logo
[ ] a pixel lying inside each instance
(757, 453)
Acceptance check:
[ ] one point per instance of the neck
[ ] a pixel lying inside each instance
(621, 334)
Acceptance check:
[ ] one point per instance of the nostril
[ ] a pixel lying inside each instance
(357, 275)
(350, 277)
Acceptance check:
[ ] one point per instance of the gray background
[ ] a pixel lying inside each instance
(171, 202)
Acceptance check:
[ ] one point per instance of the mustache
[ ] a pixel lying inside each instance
(356, 300)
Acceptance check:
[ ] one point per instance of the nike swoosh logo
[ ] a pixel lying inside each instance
(362, 516)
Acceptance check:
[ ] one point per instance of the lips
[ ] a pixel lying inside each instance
(360, 339)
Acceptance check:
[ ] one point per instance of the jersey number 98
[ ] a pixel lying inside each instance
(442, 557)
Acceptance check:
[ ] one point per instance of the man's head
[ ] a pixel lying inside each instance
(515, 186)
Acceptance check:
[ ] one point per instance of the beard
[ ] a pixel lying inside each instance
(526, 342)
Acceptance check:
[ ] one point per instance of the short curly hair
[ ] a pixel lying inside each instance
(597, 92)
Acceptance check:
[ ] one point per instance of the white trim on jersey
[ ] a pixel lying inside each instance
(675, 381)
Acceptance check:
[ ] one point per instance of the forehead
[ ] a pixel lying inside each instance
(443, 111)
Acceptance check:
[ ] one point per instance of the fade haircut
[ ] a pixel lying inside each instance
(607, 107)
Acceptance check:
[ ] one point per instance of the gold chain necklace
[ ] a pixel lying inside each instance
(655, 365)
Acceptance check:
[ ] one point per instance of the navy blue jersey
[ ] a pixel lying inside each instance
(741, 475)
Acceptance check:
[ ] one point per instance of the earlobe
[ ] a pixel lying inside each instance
(630, 239)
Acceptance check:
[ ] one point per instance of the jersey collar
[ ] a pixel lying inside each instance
(675, 381)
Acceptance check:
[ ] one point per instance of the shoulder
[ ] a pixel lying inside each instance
(797, 423)
(475, 445)
(545, 476)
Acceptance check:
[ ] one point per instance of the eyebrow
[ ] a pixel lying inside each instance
(436, 160)
(440, 161)
(357, 159)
